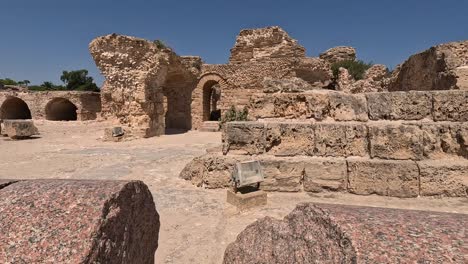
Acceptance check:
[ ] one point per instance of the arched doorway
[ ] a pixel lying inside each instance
(60, 109)
(211, 96)
(14, 108)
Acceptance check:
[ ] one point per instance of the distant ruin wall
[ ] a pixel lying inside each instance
(442, 67)
(88, 104)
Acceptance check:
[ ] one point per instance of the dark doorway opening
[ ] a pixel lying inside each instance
(61, 109)
(14, 108)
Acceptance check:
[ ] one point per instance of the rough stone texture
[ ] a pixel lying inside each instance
(337, 106)
(376, 72)
(38, 104)
(434, 69)
(58, 221)
(383, 177)
(389, 141)
(341, 140)
(292, 85)
(445, 140)
(282, 175)
(325, 233)
(451, 106)
(244, 138)
(444, 177)
(317, 105)
(18, 129)
(325, 174)
(264, 43)
(245, 201)
(139, 74)
(399, 105)
(340, 53)
(373, 81)
(290, 139)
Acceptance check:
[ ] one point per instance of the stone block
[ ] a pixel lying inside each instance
(247, 200)
(244, 138)
(444, 177)
(338, 106)
(19, 129)
(450, 106)
(340, 140)
(289, 139)
(399, 105)
(290, 106)
(445, 140)
(262, 106)
(283, 175)
(396, 141)
(325, 174)
(70, 221)
(383, 177)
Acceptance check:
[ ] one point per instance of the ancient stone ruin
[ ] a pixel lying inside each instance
(67, 221)
(326, 233)
(50, 105)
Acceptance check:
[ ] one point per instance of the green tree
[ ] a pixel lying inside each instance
(8, 81)
(26, 82)
(48, 85)
(78, 80)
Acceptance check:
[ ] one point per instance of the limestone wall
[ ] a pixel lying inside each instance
(402, 144)
(88, 104)
(69, 221)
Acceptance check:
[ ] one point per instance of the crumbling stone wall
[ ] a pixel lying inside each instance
(139, 74)
(69, 221)
(401, 144)
(442, 67)
(88, 104)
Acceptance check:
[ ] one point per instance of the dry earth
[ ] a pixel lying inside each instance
(196, 224)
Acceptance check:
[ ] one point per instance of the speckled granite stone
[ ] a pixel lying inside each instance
(325, 233)
(66, 221)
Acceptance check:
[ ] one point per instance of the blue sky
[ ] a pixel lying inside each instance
(41, 38)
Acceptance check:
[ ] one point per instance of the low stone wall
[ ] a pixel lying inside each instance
(337, 106)
(325, 233)
(66, 221)
(88, 104)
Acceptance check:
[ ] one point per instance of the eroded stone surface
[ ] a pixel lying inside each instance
(383, 177)
(399, 105)
(451, 106)
(19, 129)
(340, 53)
(325, 174)
(444, 177)
(351, 234)
(340, 140)
(396, 141)
(77, 222)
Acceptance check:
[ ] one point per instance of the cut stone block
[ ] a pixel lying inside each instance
(244, 201)
(19, 129)
(399, 105)
(451, 106)
(445, 140)
(244, 138)
(290, 139)
(444, 177)
(70, 221)
(325, 174)
(290, 106)
(341, 140)
(396, 141)
(283, 175)
(337, 106)
(383, 177)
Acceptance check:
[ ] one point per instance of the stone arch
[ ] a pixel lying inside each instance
(206, 98)
(14, 108)
(61, 109)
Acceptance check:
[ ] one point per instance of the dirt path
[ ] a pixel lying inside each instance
(196, 224)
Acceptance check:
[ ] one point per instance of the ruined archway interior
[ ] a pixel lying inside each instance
(211, 96)
(178, 95)
(15, 108)
(61, 109)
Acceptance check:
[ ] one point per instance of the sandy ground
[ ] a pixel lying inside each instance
(196, 224)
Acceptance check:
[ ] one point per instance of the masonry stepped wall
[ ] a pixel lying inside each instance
(401, 144)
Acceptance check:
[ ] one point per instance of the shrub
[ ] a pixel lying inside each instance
(356, 68)
(160, 44)
(235, 115)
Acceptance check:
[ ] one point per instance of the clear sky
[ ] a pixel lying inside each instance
(41, 38)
